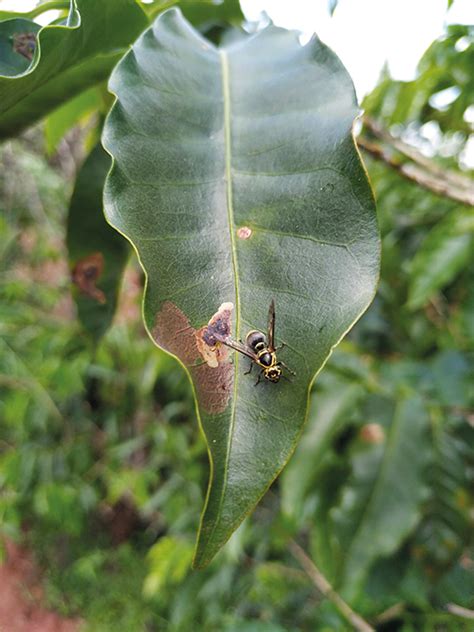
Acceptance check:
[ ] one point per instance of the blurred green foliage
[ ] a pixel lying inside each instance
(103, 469)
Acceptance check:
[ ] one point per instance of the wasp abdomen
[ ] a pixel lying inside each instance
(255, 340)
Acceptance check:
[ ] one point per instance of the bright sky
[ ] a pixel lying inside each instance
(367, 33)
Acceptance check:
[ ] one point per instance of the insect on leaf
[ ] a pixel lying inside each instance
(237, 180)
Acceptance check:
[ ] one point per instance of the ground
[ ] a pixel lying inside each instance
(21, 607)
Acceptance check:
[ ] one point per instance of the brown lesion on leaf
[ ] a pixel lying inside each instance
(85, 275)
(25, 44)
(208, 362)
(173, 332)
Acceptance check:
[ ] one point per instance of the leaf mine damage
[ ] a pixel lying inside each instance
(85, 275)
(213, 379)
(25, 44)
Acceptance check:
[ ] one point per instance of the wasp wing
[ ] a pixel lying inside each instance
(237, 346)
(271, 326)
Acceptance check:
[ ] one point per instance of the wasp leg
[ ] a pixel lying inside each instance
(250, 369)
(286, 378)
(258, 379)
(288, 369)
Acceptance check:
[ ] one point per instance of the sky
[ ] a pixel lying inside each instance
(367, 33)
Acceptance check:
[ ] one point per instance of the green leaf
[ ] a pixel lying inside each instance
(328, 415)
(61, 120)
(200, 11)
(381, 502)
(94, 248)
(332, 6)
(237, 180)
(67, 59)
(169, 560)
(442, 255)
(17, 46)
(446, 529)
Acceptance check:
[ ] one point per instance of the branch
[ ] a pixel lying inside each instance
(326, 589)
(418, 174)
(460, 611)
(455, 178)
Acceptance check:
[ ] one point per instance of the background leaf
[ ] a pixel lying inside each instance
(381, 502)
(202, 147)
(72, 112)
(17, 45)
(445, 251)
(88, 234)
(68, 58)
(328, 414)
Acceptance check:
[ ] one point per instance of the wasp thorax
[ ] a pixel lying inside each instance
(265, 359)
(256, 340)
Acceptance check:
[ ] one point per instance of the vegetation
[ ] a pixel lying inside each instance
(103, 469)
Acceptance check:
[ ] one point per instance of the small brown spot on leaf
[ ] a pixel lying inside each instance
(25, 44)
(213, 352)
(85, 275)
(173, 332)
(244, 232)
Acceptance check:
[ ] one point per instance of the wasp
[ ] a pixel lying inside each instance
(260, 349)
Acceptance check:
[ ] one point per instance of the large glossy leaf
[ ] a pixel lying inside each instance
(97, 253)
(61, 60)
(237, 180)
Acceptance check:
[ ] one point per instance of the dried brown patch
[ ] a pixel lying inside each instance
(244, 232)
(85, 275)
(25, 44)
(214, 385)
(173, 332)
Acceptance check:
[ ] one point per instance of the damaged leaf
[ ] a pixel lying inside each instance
(41, 68)
(237, 179)
(97, 253)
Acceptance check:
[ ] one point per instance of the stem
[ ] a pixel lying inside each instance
(153, 9)
(418, 174)
(456, 179)
(459, 611)
(46, 6)
(326, 589)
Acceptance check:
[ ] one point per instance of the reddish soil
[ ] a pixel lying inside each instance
(21, 596)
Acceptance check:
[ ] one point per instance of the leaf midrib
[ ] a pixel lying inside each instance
(230, 217)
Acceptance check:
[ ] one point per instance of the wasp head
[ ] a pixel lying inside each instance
(273, 374)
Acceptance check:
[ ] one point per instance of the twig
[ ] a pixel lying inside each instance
(326, 589)
(417, 174)
(456, 179)
(465, 613)
(391, 613)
